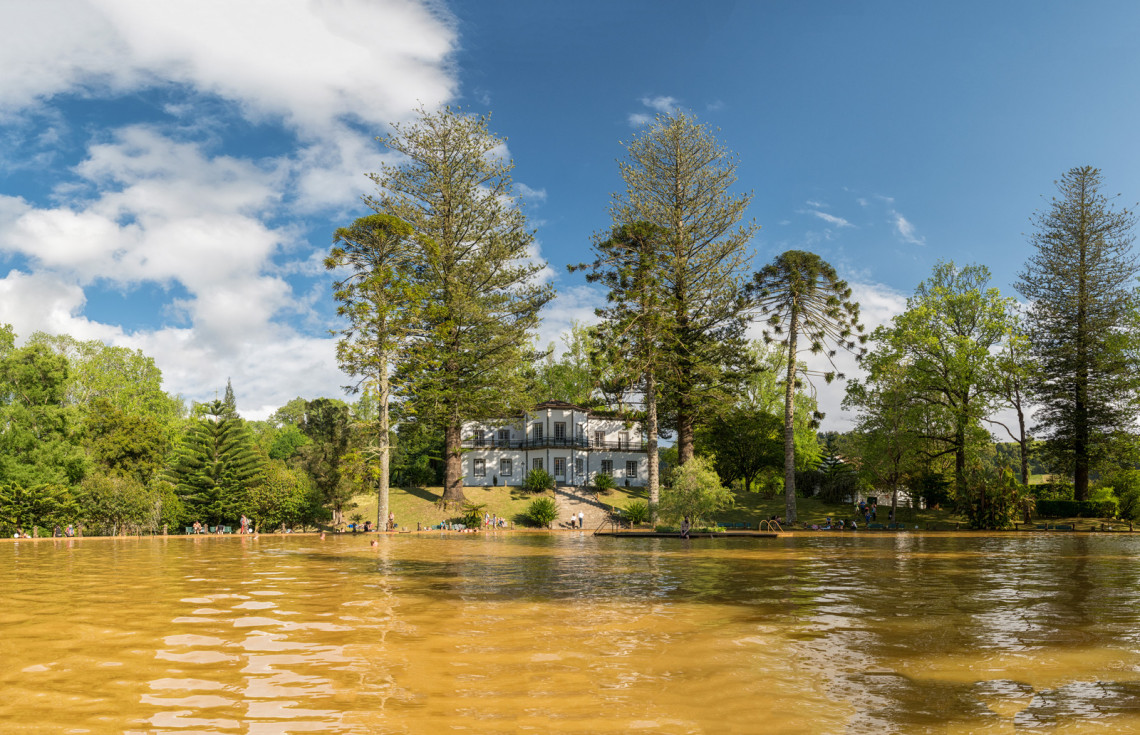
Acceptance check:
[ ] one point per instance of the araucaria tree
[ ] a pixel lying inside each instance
(802, 296)
(475, 265)
(379, 297)
(679, 179)
(1083, 301)
(636, 321)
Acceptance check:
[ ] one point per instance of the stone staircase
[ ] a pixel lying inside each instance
(571, 500)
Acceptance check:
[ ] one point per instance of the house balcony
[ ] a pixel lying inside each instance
(551, 442)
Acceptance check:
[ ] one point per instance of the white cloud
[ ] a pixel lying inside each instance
(905, 229)
(831, 219)
(147, 206)
(662, 104)
(574, 304)
(531, 195)
(637, 119)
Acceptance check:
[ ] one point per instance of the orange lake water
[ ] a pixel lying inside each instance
(567, 633)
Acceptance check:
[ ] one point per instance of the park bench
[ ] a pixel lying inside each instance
(875, 527)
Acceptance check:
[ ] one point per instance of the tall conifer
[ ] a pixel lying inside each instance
(1080, 283)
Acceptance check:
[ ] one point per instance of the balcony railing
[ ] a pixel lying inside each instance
(551, 442)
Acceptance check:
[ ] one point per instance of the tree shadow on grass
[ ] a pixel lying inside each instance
(422, 493)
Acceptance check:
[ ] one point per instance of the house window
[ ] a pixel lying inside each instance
(631, 468)
(536, 432)
(480, 437)
(599, 438)
(536, 463)
(559, 430)
(505, 467)
(559, 466)
(504, 437)
(479, 467)
(608, 467)
(579, 468)
(623, 440)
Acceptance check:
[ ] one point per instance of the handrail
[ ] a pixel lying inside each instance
(769, 525)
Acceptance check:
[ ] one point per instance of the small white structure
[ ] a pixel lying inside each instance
(572, 443)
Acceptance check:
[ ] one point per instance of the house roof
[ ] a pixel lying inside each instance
(562, 405)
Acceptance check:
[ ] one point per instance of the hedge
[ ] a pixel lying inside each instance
(1076, 508)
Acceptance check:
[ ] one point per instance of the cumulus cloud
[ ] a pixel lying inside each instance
(158, 204)
(831, 219)
(637, 119)
(661, 104)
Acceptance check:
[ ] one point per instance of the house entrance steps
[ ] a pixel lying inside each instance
(572, 500)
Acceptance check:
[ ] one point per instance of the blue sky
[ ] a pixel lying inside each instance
(171, 173)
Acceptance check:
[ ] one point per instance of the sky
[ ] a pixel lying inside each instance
(171, 173)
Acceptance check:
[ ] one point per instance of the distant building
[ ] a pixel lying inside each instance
(572, 443)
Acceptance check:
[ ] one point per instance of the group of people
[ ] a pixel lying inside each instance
(579, 519)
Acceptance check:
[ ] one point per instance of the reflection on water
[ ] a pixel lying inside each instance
(812, 634)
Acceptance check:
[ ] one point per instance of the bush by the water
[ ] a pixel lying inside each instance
(636, 512)
(1077, 508)
(694, 492)
(537, 481)
(542, 512)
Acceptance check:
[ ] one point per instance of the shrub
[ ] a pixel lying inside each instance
(473, 514)
(991, 502)
(636, 512)
(1077, 508)
(537, 481)
(542, 511)
(695, 492)
(604, 483)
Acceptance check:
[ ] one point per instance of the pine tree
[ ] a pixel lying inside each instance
(678, 178)
(1081, 323)
(215, 462)
(379, 297)
(475, 264)
(636, 321)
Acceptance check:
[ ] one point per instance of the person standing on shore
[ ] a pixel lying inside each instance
(581, 520)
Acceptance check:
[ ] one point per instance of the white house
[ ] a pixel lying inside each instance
(572, 443)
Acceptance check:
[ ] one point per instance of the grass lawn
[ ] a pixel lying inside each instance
(419, 505)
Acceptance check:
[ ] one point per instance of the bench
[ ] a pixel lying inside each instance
(875, 527)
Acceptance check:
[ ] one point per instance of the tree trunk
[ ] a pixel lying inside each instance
(1024, 444)
(453, 464)
(684, 427)
(651, 445)
(385, 449)
(789, 428)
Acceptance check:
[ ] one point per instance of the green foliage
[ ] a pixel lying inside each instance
(678, 223)
(604, 483)
(475, 276)
(801, 295)
(537, 481)
(1107, 508)
(125, 444)
(1082, 323)
(214, 464)
(473, 514)
(326, 425)
(694, 490)
(992, 502)
(286, 497)
(39, 505)
(286, 442)
(636, 512)
(542, 512)
(418, 457)
(119, 504)
(1125, 487)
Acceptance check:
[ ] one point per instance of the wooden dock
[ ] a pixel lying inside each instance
(692, 534)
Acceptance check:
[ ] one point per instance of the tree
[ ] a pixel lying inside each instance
(887, 435)
(1014, 370)
(577, 375)
(1081, 322)
(326, 425)
(946, 340)
(636, 323)
(476, 267)
(381, 300)
(744, 441)
(214, 463)
(123, 444)
(695, 492)
(800, 294)
(678, 179)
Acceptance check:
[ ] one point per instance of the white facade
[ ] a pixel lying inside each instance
(572, 443)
